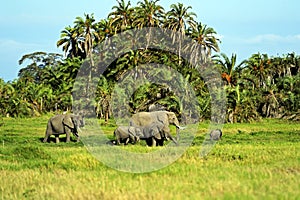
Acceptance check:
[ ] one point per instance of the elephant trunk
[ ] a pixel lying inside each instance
(177, 133)
(178, 128)
(76, 130)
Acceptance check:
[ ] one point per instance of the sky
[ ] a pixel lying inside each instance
(244, 26)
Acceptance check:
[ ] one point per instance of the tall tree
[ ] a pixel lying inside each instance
(228, 67)
(70, 42)
(37, 62)
(88, 33)
(179, 19)
(122, 16)
(148, 14)
(205, 37)
(258, 66)
(105, 29)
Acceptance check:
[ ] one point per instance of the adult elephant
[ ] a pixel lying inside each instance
(146, 119)
(64, 124)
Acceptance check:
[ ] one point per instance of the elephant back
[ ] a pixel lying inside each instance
(143, 119)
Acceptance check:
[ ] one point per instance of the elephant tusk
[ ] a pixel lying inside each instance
(181, 127)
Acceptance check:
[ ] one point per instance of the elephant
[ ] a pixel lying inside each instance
(144, 119)
(154, 134)
(64, 124)
(215, 134)
(127, 133)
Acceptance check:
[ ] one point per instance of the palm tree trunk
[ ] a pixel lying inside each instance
(41, 105)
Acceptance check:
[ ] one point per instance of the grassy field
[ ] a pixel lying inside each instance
(252, 161)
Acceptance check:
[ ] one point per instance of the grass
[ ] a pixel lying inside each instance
(252, 161)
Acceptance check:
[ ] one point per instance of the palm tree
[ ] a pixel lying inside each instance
(178, 19)
(103, 98)
(148, 14)
(88, 33)
(228, 67)
(128, 61)
(121, 17)
(105, 29)
(291, 64)
(70, 42)
(205, 38)
(259, 67)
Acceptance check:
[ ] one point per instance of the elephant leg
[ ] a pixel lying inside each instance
(153, 142)
(137, 139)
(56, 138)
(68, 136)
(160, 142)
(45, 139)
(149, 141)
(48, 132)
(118, 141)
(132, 138)
(126, 141)
(166, 132)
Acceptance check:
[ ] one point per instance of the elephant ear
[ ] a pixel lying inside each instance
(68, 121)
(155, 132)
(172, 117)
(162, 118)
(131, 130)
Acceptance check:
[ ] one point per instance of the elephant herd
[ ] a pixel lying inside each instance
(153, 127)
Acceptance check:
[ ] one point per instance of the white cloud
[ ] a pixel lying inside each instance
(271, 44)
(272, 38)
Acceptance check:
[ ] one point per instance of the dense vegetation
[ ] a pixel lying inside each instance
(261, 86)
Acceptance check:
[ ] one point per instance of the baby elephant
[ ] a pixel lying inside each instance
(156, 133)
(215, 134)
(127, 133)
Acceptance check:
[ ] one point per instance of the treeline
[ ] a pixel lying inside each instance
(260, 86)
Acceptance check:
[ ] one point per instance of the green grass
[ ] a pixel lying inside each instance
(252, 161)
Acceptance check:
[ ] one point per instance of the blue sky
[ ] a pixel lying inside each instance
(245, 26)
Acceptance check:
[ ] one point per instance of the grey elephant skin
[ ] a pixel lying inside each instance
(147, 119)
(155, 135)
(64, 124)
(215, 134)
(127, 134)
